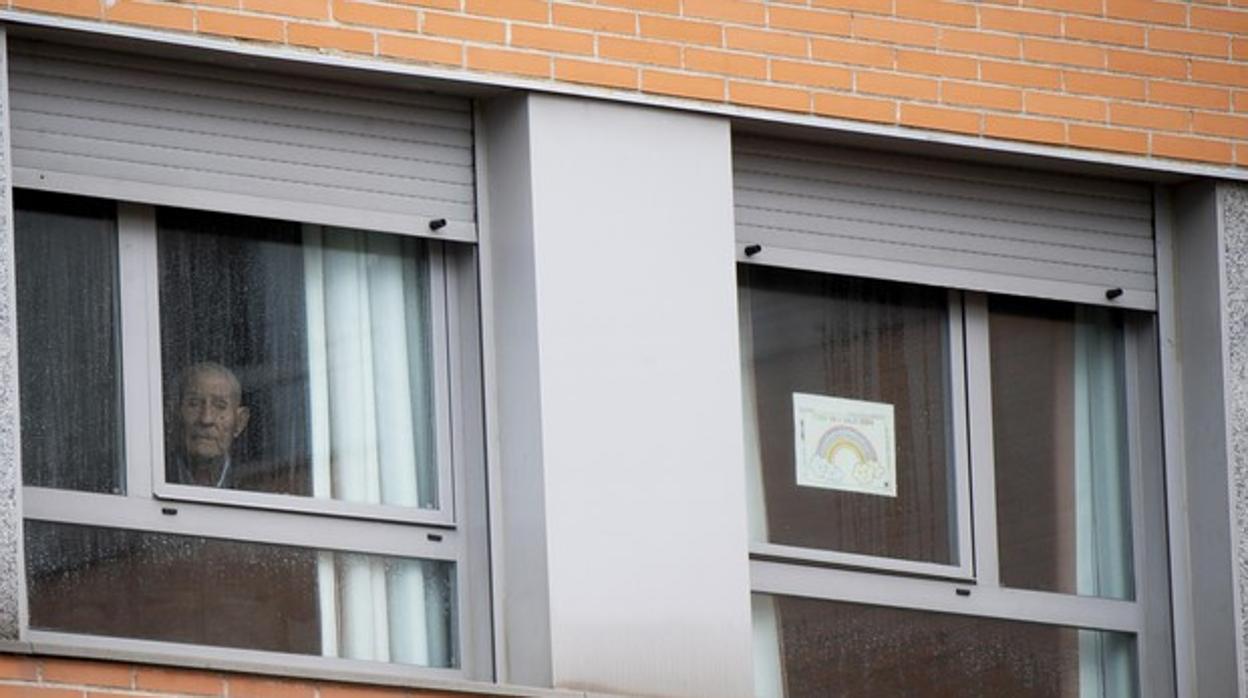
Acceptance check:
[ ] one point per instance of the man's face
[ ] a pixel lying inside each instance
(211, 416)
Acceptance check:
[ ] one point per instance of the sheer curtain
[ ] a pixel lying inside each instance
(373, 436)
(1102, 496)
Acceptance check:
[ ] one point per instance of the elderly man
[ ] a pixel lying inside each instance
(210, 416)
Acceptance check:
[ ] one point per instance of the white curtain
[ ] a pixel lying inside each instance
(1103, 536)
(372, 438)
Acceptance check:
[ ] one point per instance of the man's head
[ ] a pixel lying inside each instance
(210, 412)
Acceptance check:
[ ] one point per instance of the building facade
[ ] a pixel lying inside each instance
(626, 347)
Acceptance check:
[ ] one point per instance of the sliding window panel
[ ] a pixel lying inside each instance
(850, 407)
(70, 343)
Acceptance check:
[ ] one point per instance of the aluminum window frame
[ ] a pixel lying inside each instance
(148, 504)
(776, 570)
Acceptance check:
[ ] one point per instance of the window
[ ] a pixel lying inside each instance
(248, 434)
(952, 493)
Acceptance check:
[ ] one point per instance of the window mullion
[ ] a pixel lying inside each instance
(961, 448)
(979, 410)
(140, 345)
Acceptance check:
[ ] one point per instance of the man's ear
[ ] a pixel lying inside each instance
(244, 416)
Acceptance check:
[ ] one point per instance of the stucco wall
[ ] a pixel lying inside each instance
(1235, 230)
(10, 528)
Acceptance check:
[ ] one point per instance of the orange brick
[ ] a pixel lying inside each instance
(1186, 42)
(1084, 6)
(682, 30)
(1221, 73)
(88, 673)
(876, 6)
(1239, 49)
(358, 691)
(594, 19)
(980, 43)
(679, 85)
(811, 74)
(1103, 32)
(814, 21)
(181, 681)
(1220, 125)
(939, 11)
(728, 10)
(852, 52)
(1147, 11)
(894, 85)
(1241, 153)
(152, 14)
(321, 36)
(1070, 107)
(306, 9)
(76, 8)
(1019, 128)
(503, 61)
(769, 97)
(557, 40)
(1239, 102)
(973, 95)
(940, 118)
(1101, 138)
(258, 687)
(669, 6)
(739, 64)
(239, 26)
(591, 73)
(922, 62)
(768, 42)
(382, 16)
(437, 24)
(1235, 21)
(1188, 148)
(1189, 95)
(17, 667)
(1063, 53)
(26, 691)
(1141, 63)
(857, 108)
(527, 10)
(438, 4)
(1150, 117)
(1020, 21)
(637, 50)
(421, 50)
(1103, 85)
(1020, 74)
(894, 32)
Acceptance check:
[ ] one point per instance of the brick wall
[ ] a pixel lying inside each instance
(41, 677)
(1143, 77)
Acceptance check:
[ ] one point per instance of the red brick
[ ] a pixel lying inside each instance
(374, 15)
(725, 63)
(75, 8)
(592, 73)
(1020, 74)
(487, 30)
(259, 687)
(1235, 74)
(940, 118)
(974, 95)
(321, 36)
(1069, 107)
(803, 20)
(594, 19)
(980, 43)
(682, 30)
(1112, 139)
(922, 62)
(769, 97)
(857, 108)
(181, 681)
(852, 52)
(1147, 11)
(1063, 53)
(1141, 63)
(1188, 148)
(238, 26)
(527, 10)
(1218, 20)
(17, 667)
(152, 14)
(88, 673)
(421, 50)
(667, 6)
(620, 49)
(680, 85)
(556, 40)
(304, 9)
(1187, 42)
(503, 61)
(1024, 129)
(894, 85)
(812, 74)
(727, 10)
(1020, 21)
(1189, 95)
(939, 11)
(1103, 85)
(767, 42)
(28, 691)
(873, 6)
(1081, 6)
(1220, 125)
(894, 32)
(1103, 32)
(1150, 117)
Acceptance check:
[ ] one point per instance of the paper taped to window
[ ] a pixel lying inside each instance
(843, 444)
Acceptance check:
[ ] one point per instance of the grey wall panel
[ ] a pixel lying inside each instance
(111, 124)
(11, 574)
(1014, 231)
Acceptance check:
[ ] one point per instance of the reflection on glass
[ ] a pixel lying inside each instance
(1059, 435)
(297, 360)
(814, 334)
(69, 343)
(805, 647)
(155, 586)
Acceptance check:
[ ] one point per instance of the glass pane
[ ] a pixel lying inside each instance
(1059, 440)
(69, 342)
(297, 360)
(841, 377)
(806, 647)
(155, 586)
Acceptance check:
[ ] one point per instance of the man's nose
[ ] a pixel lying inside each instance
(207, 416)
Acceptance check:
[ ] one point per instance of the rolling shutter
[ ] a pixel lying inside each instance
(945, 223)
(185, 134)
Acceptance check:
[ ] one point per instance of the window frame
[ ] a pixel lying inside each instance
(881, 582)
(451, 533)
